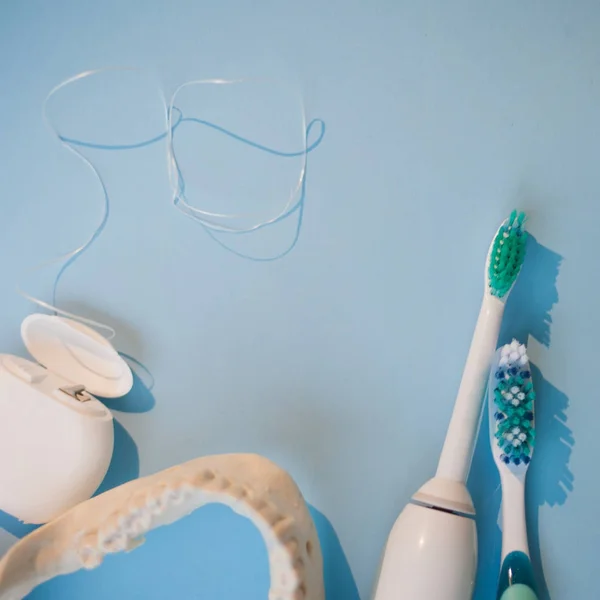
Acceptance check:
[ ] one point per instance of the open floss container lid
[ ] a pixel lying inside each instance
(77, 354)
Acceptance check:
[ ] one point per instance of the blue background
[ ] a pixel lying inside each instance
(341, 360)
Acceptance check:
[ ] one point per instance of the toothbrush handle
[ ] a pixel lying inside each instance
(516, 578)
(519, 592)
(457, 453)
(516, 581)
(514, 526)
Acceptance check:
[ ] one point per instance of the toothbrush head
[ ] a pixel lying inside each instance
(506, 255)
(511, 405)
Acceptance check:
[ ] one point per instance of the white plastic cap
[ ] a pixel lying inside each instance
(77, 354)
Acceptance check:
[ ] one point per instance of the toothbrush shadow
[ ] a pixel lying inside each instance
(529, 306)
(549, 480)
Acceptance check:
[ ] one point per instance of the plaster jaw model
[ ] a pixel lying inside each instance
(117, 520)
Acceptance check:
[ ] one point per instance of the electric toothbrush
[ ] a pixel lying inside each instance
(431, 552)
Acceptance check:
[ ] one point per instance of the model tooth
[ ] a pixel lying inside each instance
(155, 502)
(175, 495)
(118, 519)
(113, 542)
(288, 580)
(224, 483)
(217, 483)
(281, 525)
(279, 594)
(90, 557)
(111, 523)
(186, 488)
(138, 502)
(259, 504)
(237, 491)
(292, 546)
(140, 523)
(124, 521)
(278, 522)
(298, 592)
(133, 543)
(110, 535)
(247, 493)
(203, 477)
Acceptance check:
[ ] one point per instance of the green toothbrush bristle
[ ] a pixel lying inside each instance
(514, 399)
(507, 255)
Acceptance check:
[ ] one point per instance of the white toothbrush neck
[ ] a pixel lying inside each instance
(514, 527)
(457, 453)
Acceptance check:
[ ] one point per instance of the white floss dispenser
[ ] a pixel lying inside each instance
(56, 439)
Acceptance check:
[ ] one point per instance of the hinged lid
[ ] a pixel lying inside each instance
(77, 353)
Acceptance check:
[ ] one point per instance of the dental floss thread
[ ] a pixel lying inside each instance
(208, 220)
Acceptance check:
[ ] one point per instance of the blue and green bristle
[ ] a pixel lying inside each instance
(514, 411)
(507, 254)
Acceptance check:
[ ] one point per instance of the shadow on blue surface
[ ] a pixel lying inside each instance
(138, 400)
(528, 313)
(550, 479)
(339, 581)
(529, 307)
(14, 526)
(125, 463)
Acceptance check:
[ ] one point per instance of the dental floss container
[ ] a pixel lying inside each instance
(56, 439)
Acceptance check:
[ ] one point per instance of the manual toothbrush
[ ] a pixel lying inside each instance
(431, 552)
(512, 437)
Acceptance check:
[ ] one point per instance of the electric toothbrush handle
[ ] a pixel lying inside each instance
(457, 453)
(430, 555)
